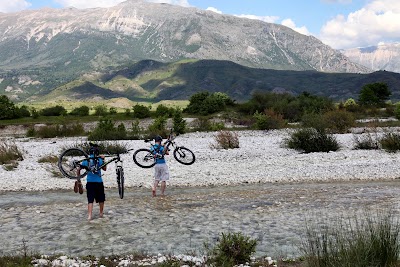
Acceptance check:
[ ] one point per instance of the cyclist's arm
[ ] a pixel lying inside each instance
(165, 150)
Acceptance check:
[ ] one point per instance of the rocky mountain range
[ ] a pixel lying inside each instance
(381, 57)
(43, 49)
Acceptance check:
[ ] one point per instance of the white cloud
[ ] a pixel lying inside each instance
(213, 9)
(270, 19)
(378, 21)
(290, 23)
(109, 3)
(13, 6)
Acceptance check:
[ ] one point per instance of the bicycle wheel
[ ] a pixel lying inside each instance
(120, 181)
(144, 158)
(184, 155)
(70, 161)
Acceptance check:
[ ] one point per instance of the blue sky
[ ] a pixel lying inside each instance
(338, 23)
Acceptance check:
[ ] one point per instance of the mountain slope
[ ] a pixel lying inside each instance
(42, 49)
(154, 81)
(381, 57)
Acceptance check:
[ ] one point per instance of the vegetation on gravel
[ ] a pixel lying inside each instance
(10, 154)
(309, 140)
(225, 140)
(359, 241)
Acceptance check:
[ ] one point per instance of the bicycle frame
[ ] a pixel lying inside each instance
(114, 158)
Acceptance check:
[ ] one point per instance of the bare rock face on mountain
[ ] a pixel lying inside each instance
(381, 57)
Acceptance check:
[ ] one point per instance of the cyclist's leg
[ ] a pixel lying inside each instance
(164, 177)
(100, 197)
(101, 204)
(90, 197)
(156, 179)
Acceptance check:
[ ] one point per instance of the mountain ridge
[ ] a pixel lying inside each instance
(43, 49)
(154, 81)
(380, 57)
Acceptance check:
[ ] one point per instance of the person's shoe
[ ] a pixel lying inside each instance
(154, 193)
(80, 187)
(76, 187)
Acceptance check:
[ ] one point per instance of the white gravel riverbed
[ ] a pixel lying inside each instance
(272, 213)
(260, 158)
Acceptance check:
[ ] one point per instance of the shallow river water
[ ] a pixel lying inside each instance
(54, 222)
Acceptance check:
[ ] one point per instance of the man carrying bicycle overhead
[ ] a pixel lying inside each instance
(94, 182)
(161, 172)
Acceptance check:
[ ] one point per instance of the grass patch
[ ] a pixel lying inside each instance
(359, 241)
(390, 142)
(9, 155)
(367, 141)
(48, 159)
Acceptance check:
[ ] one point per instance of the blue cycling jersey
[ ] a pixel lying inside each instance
(158, 149)
(96, 176)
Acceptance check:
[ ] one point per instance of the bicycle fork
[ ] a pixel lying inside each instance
(118, 170)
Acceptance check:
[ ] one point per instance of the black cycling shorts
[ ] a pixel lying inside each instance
(95, 191)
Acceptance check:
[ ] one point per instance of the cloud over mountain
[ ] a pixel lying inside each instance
(367, 26)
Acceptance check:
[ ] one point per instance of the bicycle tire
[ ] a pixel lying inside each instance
(69, 163)
(120, 181)
(144, 158)
(184, 155)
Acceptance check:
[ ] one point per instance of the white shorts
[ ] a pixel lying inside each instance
(161, 172)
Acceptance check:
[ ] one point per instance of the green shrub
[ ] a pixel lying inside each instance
(141, 112)
(51, 131)
(231, 249)
(164, 111)
(158, 127)
(204, 124)
(226, 140)
(81, 111)
(311, 140)
(53, 111)
(31, 132)
(313, 120)
(112, 111)
(339, 121)
(268, 120)
(204, 103)
(371, 240)
(179, 124)
(397, 111)
(391, 142)
(9, 153)
(127, 112)
(35, 113)
(136, 131)
(100, 110)
(105, 130)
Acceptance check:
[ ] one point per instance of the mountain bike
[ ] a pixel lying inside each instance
(145, 158)
(71, 165)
